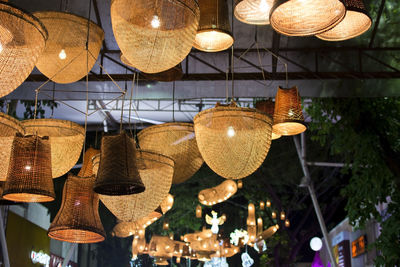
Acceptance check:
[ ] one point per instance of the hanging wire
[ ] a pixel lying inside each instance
(123, 103)
(130, 103)
(173, 101)
(52, 104)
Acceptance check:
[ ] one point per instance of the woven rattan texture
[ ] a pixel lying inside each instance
(87, 166)
(66, 139)
(78, 219)
(68, 34)
(268, 106)
(124, 229)
(217, 194)
(254, 12)
(176, 140)
(154, 49)
(233, 141)
(22, 39)
(166, 204)
(29, 174)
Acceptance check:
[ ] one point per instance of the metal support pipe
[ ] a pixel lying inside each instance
(69, 254)
(3, 241)
(326, 164)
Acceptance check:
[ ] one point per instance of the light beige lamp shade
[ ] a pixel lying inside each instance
(306, 17)
(254, 12)
(66, 140)
(268, 106)
(65, 58)
(218, 194)
(233, 141)
(356, 22)
(167, 204)
(22, 39)
(214, 32)
(154, 35)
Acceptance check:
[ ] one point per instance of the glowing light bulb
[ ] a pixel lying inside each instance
(155, 22)
(264, 7)
(316, 243)
(28, 168)
(1, 48)
(62, 55)
(231, 131)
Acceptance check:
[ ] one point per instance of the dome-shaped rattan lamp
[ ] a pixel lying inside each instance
(233, 141)
(22, 39)
(214, 32)
(78, 219)
(65, 58)
(356, 22)
(29, 174)
(176, 140)
(306, 17)
(254, 12)
(268, 106)
(154, 35)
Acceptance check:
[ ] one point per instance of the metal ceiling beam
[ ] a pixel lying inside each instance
(378, 18)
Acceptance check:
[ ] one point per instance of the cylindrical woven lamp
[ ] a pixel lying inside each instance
(29, 173)
(288, 116)
(306, 17)
(233, 141)
(268, 106)
(214, 32)
(176, 140)
(65, 58)
(356, 22)
(22, 40)
(87, 166)
(155, 35)
(254, 12)
(118, 173)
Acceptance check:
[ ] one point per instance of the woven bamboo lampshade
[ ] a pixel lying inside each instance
(214, 32)
(306, 17)
(218, 194)
(87, 166)
(78, 219)
(65, 59)
(22, 39)
(29, 172)
(253, 11)
(124, 229)
(288, 116)
(118, 173)
(155, 35)
(233, 141)
(166, 204)
(176, 140)
(268, 106)
(356, 22)
(66, 139)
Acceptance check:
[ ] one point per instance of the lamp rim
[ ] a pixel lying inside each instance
(241, 19)
(186, 126)
(60, 233)
(228, 33)
(43, 12)
(28, 196)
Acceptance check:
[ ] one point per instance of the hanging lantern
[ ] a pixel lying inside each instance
(214, 32)
(29, 172)
(254, 12)
(155, 35)
(287, 223)
(240, 184)
(259, 225)
(217, 194)
(233, 141)
(198, 211)
(262, 205)
(288, 116)
(87, 166)
(166, 225)
(273, 215)
(176, 140)
(22, 40)
(283, 216)
(268, 203)
(356, 22)
(251, 219)
(268, 106)
(65, 58)
(306, 17)
(124, 229)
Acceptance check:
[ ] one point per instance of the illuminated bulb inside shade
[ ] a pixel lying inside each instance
(231, 131)
(264, 7)
(28, 168)
(62, 54)
(1, 47)
(155, 22)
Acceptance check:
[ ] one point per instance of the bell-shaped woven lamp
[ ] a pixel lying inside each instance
(306, 17)
(356, 22)
(214, 32)
(233, 141)
(268, 107)
(66, 139)
(288, 116)
(176, 140)
(29, 172)
(118, 173)
(65, 58)
(155, 35)
(22, 40)
(254, 12)
(78, 219)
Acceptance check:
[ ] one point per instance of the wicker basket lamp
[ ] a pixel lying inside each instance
(233, 141)
(306, 17)
(288, 116)
(22, 40)
(155, 35)
(176, 140)
(356, 22)
(268, 107)
(214, 32)
(217, 194)
(87, 166)
(66, 139)
(65, 59)
(254, 12)
(29, 173)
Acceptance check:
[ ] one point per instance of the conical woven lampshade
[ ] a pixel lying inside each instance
(22, 39)
(268, 106)
(66, 139)
(356, 22)
(78, 219)
(253, 11)
(29, 173)
(154, 35)
(176, 140)
(214, 32)
(233, 141)
(306, 17)
(288, 116)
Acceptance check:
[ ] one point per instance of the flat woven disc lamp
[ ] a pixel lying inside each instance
(306, 17)
(254, 12)
(214, 32)
(356, 22)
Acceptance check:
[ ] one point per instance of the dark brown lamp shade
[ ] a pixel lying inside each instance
(78, 219)
(268, 106)
(29, 176)
(87, 166)
(254, 12)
